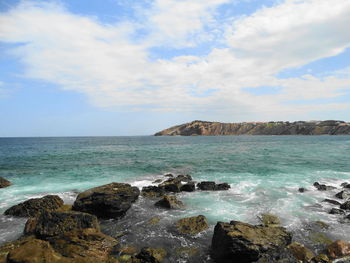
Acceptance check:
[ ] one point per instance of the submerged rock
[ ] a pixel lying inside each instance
(331, 201)
(35, 206)
(192, 225)
(345, 206)
(343, 195)
(107, 201)
(300, 252)
(338, 249)
(169, 202)
(4, 182)
(212, 186)
(150, 255)
(323, 187)
(189, 187)
(53, 223)
(336, 211)
(302, 189)
(241, 242)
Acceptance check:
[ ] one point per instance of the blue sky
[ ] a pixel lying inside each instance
(83, 67)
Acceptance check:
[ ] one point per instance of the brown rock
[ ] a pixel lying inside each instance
(35, 206)
(338, 249)
(169, 202)
(192, 225)
(4, 183)
(300, 252)
(151, 255)
(322, 258)
(152, 191)
(270, 220)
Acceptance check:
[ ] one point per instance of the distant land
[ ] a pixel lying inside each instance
(206, 128)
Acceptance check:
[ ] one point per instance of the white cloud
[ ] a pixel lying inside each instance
(100, 60)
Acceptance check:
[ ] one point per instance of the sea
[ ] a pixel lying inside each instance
(265, 173)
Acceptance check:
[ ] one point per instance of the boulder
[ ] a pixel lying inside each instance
(52, 223)
(302, 189)
(169, 202)
(300, 252)
(323, 187)
(338, 249)
(35, 206)
(35, 251)
(189, 187)
(331, 201)
(184, 178)
(107, 201)
(345, 206)
(171, 185)
(151, 255)
(192, 225)
(152, 191)
(212, 186)
(345, 185)
(343, 195)
(336, 211)
(241, 242)
(86, 243)
(4, 183)
(321, 258)
(270, 220)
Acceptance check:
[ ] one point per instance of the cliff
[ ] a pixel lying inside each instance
(329, 127)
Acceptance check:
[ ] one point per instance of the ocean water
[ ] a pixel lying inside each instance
(264, 172)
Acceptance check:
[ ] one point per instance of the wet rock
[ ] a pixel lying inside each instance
(107, 201)
(154, 221)
(169, 202)
(331, 201)
(323, 187)
(35, 206)
(189, 187)
(157, 181)
(187, 252)
(212, 186)
(151, 255)
(345, 185)
(322, 258)
(35, 251)
(345, 206)
(321, 224)
(6, 248)
(336, 211)
(319, 238)
(127, 250)
(171, 185)
(86, 243)
(343, 195)
(53, 223)
(300, 252)
(302, 189)
(4, 182)
(184, 178)
(152, 191)
(270, 220)
(169, 175)
(192, 225)
(241, 242)
(338, 249)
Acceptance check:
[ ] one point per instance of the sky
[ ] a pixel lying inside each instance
(120, 67)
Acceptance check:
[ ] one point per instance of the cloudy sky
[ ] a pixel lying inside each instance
(121, 67)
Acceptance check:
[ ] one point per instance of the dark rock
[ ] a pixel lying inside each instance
(212, 186)
(151, 255)
(300, 252)
(53, 223)
(345, 185)
(35, 206)
(192, 225)
(169, 202)
(4, 183)
(334, 202)
(35, 251)
(157, 181)
(323, 187)
(336, 211)
(345, 206)
(107, 201)
(152, 191)
(189, 187)
(241, 242)
(338, 249)
(302, 189)
(343, 195)
(184, 178)
(206, 186)
(169, 175)
(171, 185)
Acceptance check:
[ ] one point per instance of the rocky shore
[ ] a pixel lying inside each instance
(99, 227)
(330, 127)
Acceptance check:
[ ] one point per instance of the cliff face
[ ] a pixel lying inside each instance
(258, 128)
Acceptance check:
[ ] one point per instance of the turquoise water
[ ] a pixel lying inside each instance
(265, 173)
